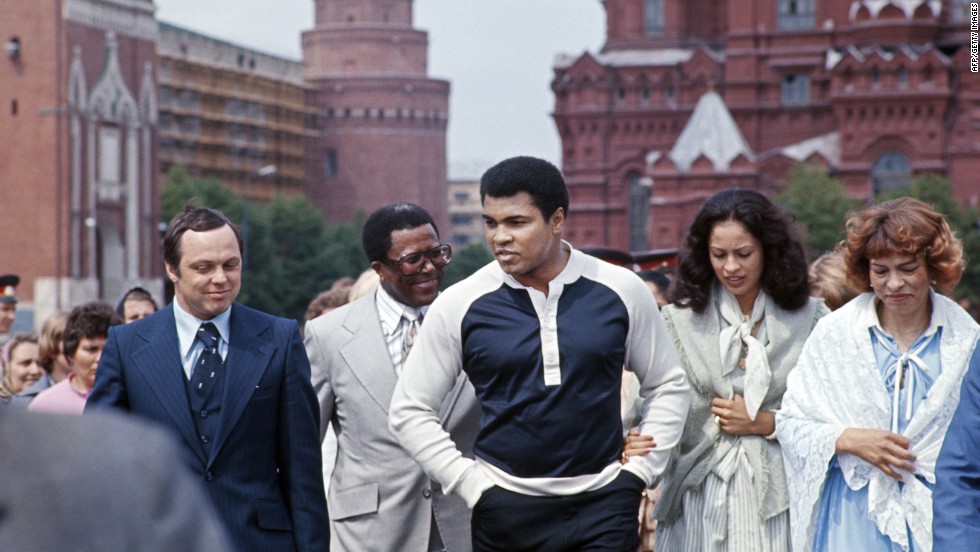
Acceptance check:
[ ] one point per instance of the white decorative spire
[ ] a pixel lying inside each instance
(711, 132)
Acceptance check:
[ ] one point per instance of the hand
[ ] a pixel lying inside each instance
(882, 449)
(733, 418)
(635, 444)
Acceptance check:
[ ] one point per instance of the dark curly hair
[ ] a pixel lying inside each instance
(90, 320)
(784, 268)
(903, 226)
(539, 178)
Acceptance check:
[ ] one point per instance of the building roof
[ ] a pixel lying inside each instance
(632, 58)
(180, 42)
(826, 145)
(908, 7)
(909, 51)
(712, 132)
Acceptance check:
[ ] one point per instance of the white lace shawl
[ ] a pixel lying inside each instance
(837, 385)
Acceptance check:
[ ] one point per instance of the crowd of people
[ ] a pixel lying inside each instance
(739, 401)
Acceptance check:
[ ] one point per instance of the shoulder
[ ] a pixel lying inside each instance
(806, 316)
(241, 314)
(622, 281)
(364, 307)
(846, 318)
(957, 318)
(459, 296)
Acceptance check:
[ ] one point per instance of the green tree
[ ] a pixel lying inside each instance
(290, 252)
(180, 188)
(343, 253)
(820, 207)
(466, 261)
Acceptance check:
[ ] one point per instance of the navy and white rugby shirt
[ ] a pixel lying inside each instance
(547, 371)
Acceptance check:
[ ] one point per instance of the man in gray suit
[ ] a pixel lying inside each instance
(379, 497)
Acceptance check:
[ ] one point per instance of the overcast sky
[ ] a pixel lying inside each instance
(497, 54)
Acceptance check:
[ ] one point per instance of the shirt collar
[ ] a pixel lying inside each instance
(188, 324)
(869, 318)
(390, 311)
(573, 268)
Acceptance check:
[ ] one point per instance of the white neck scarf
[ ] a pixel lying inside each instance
(738, 334)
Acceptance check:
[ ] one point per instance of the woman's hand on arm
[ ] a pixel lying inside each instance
(732, 417)
(884, 450)
(635, 444)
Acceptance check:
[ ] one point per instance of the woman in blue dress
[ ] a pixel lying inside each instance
(867, 407)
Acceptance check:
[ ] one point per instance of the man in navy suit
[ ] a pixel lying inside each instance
(233, 384)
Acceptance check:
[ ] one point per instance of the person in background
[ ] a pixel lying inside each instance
(741, 311)
(86, 330)
(659, 284)
(51, 358)
(135, 304)
(21, 368)
(326, 301)
(828, 280)
(8, 305)
(868, 405)
(365, 284)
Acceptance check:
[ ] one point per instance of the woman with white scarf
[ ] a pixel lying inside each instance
(740, 316)
(867, 408)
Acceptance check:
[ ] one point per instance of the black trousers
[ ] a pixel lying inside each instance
(604, 519)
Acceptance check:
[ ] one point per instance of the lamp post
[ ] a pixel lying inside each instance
(261, 172)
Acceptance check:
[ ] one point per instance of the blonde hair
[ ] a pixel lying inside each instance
(828, 280)
(367, 282)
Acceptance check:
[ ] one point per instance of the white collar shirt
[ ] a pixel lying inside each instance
(190, 346)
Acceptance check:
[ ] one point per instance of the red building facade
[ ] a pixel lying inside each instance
(876, 91)
(383, 133)
(80, 201)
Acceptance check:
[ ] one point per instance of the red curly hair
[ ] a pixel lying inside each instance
(903, 226)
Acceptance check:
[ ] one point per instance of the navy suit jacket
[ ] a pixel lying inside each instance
(956, 497)
(263, 475)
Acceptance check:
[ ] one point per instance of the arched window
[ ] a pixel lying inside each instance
(639, 210)
(653, 14)
(891, 171)
(795, 14)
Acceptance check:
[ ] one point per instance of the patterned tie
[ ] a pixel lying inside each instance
(410, 332)
(209, 363)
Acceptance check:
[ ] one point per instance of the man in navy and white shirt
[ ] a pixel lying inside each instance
(543, 335)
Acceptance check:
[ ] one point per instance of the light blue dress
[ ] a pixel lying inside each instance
(842, 519)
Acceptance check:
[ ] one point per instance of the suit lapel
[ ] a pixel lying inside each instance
(248, 357)
(159, 362)
(366, 353)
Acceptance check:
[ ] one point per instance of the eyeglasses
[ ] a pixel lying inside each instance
(414, 263)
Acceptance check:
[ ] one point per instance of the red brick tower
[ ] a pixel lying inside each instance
(383, 119)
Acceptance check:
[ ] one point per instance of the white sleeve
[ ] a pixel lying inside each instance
(428, 377)
(664, 389)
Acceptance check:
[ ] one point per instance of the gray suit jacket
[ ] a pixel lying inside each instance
(99, 482)
(379, 498)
